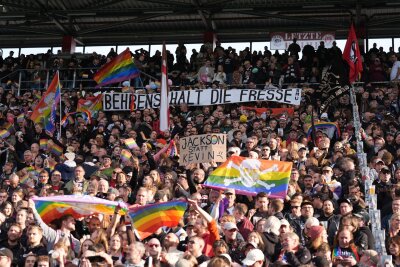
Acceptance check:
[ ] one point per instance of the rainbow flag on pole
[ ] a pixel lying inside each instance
(121, 68)
(46, 109)
(43, 143)
(57, 149)
(125, 155)
(50, 208)
(252, 176)
(130, 143)
(148, 219)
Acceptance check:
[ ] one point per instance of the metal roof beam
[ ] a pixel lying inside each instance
(167, 3)
(52, 18)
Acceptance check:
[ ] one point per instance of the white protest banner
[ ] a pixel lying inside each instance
(282, 40)
(202, 148)
(201, 97)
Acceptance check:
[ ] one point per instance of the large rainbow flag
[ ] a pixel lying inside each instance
(45, 109)
(121, 68)
(252, 176)
(50, 208)
(148, 219)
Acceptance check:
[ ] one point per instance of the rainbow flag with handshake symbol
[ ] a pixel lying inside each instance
(252, 176)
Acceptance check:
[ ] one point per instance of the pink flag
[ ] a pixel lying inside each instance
(164, 106)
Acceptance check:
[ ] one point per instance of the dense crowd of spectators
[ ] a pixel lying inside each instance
(219, 67)
(323, 220)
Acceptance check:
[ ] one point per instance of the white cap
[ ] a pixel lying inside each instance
(253, 256)
(229, 226)
(324, 115)
(285, 222)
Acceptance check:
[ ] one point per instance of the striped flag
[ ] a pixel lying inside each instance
(125, 155)
(46, 108)
(252, 176)
(91, 104)
(148, 219)
(121, 68)
(164, 106)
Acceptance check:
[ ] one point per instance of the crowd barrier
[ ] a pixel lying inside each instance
(72, 78)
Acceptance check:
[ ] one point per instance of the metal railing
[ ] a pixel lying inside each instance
(72, 78)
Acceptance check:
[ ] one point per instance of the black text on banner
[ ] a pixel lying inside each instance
(206, 97)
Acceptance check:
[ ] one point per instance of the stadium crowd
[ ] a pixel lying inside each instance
(323, 221)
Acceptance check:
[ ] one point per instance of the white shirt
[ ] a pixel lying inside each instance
(395, 70)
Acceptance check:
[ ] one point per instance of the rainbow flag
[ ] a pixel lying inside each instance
(21, 117)
(9, 128)
(125, 155)
(130, 143)
(57, 149)
(30, 177)
(331, 129)
(67, 119)
(252, 176)
(121, 68)
(148, 219)
(4, 134)
(43, 144)
(172, 151)
(91, 104)
(51, 122)
(50, 208)
(45, 109)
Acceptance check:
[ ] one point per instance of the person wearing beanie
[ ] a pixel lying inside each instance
(318, 236)
(271, 234)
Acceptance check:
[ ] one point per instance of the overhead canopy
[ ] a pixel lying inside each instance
(110, 22)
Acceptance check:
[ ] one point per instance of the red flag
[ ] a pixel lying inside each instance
(352, 56)
(164, 106)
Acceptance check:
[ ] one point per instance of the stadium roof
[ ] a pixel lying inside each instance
(28, 23)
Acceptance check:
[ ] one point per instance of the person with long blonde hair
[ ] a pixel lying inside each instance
(100, 236)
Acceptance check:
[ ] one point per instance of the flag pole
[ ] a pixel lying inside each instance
(59, 84)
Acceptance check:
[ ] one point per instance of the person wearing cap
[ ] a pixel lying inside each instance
(383, 187)
(345, 207)
(6, 257)
(301, 161)
(233, 239)
(255, 258)
(334, 185)
(285, 227)
(363, 226)
(230, 196)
